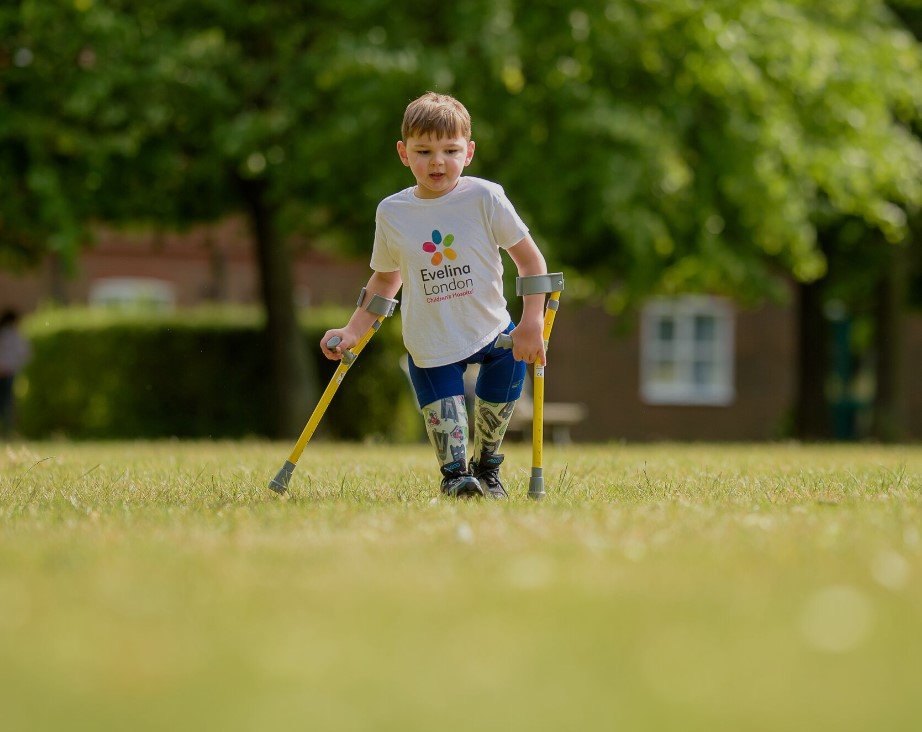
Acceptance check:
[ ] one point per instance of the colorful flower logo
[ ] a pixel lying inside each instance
(432, 247)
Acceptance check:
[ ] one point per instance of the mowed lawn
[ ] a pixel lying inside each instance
(658, 587)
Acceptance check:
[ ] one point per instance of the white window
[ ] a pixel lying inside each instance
(686, 352)
(140, 293)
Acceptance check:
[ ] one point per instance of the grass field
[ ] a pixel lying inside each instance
(692, 587)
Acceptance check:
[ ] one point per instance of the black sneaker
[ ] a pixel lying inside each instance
(487, 472)
(458, 482)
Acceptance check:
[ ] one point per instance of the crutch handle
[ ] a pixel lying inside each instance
(504, 340)
(348, 356)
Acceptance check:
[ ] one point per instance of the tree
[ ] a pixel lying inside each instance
(716, 142)
(892, 291)
(173, 113)
(654, 147)
(179, 112)
(42, 199)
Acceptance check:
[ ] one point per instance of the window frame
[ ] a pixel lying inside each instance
(687, 351)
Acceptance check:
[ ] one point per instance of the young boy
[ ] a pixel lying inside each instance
(441, 240)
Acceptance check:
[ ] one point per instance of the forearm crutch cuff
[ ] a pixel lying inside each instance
(540, 284)
(379, 305)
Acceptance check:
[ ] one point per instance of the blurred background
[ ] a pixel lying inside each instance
(732, 188)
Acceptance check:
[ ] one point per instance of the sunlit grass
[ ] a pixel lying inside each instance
(657, 587)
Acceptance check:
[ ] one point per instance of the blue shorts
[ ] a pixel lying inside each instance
(500, 380)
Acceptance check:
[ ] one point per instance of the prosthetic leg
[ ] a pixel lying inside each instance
(552, 285)
(383, 308)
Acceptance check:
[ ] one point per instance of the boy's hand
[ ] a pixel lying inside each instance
(528, 342)
(347, 340)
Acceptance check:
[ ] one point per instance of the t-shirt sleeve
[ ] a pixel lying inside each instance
(508, 228)
(383, 256)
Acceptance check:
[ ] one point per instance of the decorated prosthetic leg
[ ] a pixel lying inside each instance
(446, 425)
(490, 422)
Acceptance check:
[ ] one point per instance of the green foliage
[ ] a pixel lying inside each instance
(107, 375)
(656, 146)
(700, 145)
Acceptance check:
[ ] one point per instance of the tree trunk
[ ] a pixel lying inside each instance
(291, 372)
(888, 419)
(811, 418)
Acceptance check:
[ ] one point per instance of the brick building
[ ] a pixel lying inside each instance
(695, 368)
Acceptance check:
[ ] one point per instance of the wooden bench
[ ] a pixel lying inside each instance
(559, 417)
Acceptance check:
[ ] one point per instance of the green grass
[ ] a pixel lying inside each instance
(692, 587)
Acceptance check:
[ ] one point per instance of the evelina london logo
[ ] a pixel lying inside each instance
(432, 247)
(447, 281)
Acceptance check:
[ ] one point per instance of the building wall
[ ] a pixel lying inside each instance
(205, 264)
(590, 362)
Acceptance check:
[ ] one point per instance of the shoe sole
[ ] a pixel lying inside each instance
(467, 490)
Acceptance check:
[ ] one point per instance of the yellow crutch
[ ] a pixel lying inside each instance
(551, 285)
(383, 308)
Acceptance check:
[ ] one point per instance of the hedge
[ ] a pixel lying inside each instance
(192, 374)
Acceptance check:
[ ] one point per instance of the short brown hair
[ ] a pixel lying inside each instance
(435, 114)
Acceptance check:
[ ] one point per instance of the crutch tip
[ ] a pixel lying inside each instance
(536, 488)
(279, 483)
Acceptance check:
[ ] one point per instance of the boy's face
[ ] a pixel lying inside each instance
(436, 163)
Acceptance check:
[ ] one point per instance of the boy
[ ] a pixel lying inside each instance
(440, 239)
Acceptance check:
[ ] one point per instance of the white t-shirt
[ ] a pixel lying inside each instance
(447, 251)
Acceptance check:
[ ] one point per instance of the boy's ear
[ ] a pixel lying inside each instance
(470, 153)
(402, 152)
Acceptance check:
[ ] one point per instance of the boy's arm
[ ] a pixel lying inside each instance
(385, 284)
(528, 336)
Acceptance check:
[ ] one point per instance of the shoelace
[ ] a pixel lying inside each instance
(491, 478)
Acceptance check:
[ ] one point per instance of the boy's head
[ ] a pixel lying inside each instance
(436, 116)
